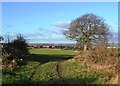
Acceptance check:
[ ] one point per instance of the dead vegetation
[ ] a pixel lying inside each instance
(101, 58)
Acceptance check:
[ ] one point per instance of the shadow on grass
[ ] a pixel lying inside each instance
(45, 58)
(75, 81)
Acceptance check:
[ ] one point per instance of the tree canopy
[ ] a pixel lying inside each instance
(89, 28)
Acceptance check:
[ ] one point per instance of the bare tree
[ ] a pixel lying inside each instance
(87, 29)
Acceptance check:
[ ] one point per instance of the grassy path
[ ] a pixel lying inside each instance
(50, 58)
(59, 70)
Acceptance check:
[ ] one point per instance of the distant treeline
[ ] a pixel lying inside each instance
(62, 46)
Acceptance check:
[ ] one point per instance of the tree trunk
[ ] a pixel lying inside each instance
(85, 47)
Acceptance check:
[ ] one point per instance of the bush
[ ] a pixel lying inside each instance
(101, 56)
(15, 50)
(102, 53)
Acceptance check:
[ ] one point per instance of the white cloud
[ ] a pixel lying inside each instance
(34, 34)
(51, 40)
(51, 31)
(62, 24)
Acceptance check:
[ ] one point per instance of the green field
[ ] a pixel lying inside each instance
(52, 66)
(47, 51)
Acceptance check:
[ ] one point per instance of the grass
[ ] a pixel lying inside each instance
(47, 51)
(45, 55)
(43, 75)
(20, 75)
(80, 74)
(42, 68)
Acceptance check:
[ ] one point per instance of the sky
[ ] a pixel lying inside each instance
(60, 0)
(44, 22)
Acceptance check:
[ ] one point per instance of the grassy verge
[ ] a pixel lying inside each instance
(47, 74)
(75, 73)
(21, 75)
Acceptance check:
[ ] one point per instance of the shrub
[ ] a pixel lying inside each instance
(101, 56)
(102, 53)
(15, 50)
